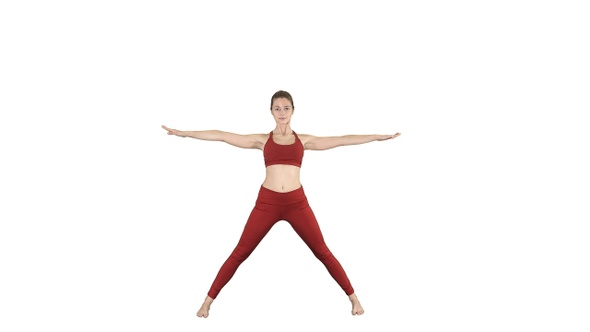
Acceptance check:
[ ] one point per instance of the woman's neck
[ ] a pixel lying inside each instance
(283, 130)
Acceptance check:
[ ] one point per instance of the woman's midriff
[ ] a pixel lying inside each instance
(282, 178)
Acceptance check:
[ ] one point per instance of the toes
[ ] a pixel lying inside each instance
(357, 311)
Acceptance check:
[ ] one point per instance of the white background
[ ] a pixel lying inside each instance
(474, 219)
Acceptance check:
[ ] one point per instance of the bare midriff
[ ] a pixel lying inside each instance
(282, 178)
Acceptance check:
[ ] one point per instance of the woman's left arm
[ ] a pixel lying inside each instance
(328, 142)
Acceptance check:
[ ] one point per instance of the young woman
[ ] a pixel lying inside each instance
(281, 196)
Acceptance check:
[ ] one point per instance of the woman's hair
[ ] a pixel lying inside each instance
(282, 94)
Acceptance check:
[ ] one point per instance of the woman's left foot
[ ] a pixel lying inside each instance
(357, 309)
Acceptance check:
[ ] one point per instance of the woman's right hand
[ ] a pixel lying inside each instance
(175, 132)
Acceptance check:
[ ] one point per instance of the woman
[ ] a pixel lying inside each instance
(281, 196)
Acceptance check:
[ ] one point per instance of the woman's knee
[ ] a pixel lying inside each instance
(240, 254)
(323, 253)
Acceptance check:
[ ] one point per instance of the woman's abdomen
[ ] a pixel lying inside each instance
(282, 178)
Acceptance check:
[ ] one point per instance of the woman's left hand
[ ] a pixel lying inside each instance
(386, 137)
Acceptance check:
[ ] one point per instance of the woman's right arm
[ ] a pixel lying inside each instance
(254, 141)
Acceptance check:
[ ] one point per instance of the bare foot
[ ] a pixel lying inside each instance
(204, 311)
(357, 309)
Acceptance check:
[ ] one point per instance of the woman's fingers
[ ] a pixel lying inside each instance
(170, 130)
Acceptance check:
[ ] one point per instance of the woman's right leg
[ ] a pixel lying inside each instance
(261, 220)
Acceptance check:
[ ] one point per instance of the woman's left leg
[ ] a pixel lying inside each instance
(304, 222)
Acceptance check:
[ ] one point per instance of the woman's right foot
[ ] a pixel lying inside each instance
(204, 311)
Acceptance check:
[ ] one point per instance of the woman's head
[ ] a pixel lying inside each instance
(282, 94)
(281, 107)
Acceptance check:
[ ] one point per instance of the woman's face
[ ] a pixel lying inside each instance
(282, 110)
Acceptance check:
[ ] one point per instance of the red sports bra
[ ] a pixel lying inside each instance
(291, 154)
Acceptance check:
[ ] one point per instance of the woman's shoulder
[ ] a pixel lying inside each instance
(261, 137)
(304, 137)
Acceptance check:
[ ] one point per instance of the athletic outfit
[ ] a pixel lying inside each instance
(271, 207)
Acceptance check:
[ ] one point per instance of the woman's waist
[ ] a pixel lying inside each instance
(281, 185)
(269, 195)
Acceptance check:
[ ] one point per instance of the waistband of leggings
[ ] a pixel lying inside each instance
(274, 197)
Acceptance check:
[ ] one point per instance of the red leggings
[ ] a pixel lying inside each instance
(272, 206)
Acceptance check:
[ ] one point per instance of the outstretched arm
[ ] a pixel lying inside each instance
(254, 141)
(329, 142)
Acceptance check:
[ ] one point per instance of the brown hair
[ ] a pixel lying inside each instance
(282, 94)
